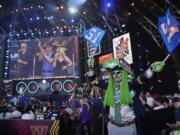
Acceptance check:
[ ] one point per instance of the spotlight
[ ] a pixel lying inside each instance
(108, 4)
(84, 12)
(72, 20)
(62, 7)
(123, 25)
(73, 10)
(0, 6)
(43, 81)
(37, 18)
(31, 19)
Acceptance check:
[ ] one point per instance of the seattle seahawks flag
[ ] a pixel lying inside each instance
(169, 27)
(94, 35)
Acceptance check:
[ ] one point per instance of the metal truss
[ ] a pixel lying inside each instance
(149, 26)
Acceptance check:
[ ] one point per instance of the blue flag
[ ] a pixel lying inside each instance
(94, 35)
(169, 27)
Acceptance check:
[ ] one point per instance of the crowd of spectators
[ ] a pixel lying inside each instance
(84, 115)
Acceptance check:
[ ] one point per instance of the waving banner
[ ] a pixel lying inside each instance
(122, 48)
(168, 27)
(94, 36)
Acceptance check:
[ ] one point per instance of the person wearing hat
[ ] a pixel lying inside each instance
(119, 95)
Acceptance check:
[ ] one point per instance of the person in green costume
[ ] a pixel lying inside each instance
(119, 96)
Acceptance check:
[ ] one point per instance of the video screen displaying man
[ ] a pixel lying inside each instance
(44, 57)
(23, 64)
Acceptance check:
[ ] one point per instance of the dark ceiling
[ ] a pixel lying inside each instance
(19, 13)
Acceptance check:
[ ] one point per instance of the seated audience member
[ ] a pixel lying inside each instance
(53, 114)
(166, 102)
(176, 126)
(3, 110)
(39, 114)
(28, 114)
(16, 114)
(150, 100)
(24, 100)
(158, 103)
(13, 100)
(145, 105)
(8, 114)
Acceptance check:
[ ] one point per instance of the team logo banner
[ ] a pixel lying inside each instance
(122, 48)
(94, 36)
(168, 27)
(29, 127)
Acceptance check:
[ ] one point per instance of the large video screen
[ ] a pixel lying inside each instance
(44, 57)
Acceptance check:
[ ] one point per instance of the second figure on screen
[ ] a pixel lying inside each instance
(62, 63)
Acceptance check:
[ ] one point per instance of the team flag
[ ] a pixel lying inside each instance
(94, 36)
(168, 27)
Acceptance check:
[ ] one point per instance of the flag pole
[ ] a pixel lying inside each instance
(166, 58)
